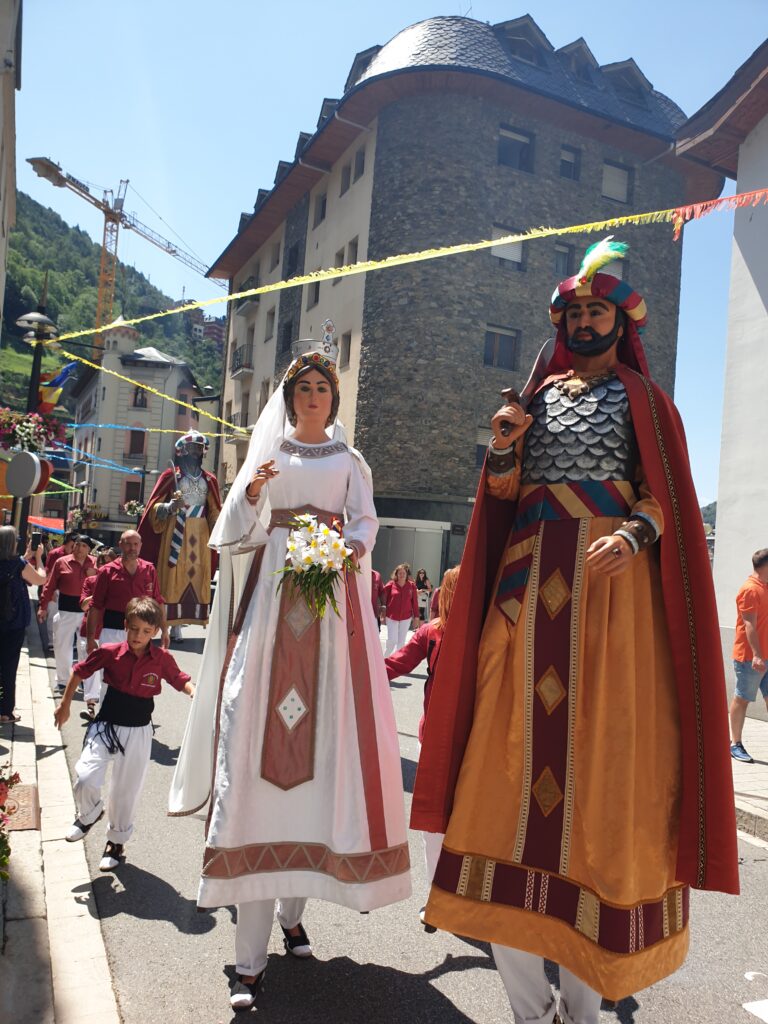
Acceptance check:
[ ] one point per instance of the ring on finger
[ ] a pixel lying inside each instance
(616, 552)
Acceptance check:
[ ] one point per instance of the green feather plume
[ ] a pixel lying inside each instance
(600, 254)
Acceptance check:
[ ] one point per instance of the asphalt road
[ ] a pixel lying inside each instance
(170, 963)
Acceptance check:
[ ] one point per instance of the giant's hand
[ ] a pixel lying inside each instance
(609, 555)
(262, 475)
(515, 419)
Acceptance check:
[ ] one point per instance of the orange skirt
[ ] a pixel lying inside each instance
(563, 836)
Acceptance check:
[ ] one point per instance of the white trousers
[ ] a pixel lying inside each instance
(397, 631)
(65, 629)
(91, 685)
(112, 636)
(129, 770)
(254, 926)
(531, 996)
(433, 844)
(53, 607)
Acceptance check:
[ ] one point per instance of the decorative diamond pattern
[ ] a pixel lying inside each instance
(550, 689)
(299, 618)
(291, 709)
(555, 593)
(547, 792)
(351, 867)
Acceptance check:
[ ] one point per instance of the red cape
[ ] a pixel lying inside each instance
(165, 486)
(707, 854)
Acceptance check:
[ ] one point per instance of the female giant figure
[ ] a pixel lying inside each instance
(306, 792)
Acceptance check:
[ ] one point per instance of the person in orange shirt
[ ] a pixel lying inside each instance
(750, 650)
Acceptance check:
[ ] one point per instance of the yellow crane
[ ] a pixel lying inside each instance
(111, 205)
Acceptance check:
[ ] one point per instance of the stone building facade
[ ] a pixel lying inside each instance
(456, 131)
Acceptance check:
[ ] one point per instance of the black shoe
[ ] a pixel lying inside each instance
(299, 945)
(110, 859)
(428, 928)
(243, 994)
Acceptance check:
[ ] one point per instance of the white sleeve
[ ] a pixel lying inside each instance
(362, 523)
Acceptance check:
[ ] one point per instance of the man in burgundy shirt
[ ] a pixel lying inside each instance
(118, 582)
(50, 560)
(66, 578)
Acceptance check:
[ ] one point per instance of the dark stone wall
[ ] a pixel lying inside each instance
(423, 388)
(290, 300)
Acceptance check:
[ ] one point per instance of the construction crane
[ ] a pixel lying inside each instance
(111, 205)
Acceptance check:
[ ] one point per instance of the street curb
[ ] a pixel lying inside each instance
(752, 822)
(76, 943)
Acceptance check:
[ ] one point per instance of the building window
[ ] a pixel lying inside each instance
(346, 178)
(338, 261)
(524, 49)
(570, 163)
(359, 164)
(346, 345)
(352, 252)
(228, 412)
(516, 149)
(502, 347)
(132, 490)
(617, 182)
(139, 398)
(482, 441)
(513, 253)
(264, 394)
(286, 336)
(313, 294)
(321, 205)
(136, 442)
(269, 328)
(103, 394)
(563, 261)
(275, 256)
(618, 268)
(292, 260)
(244, 404)
(98, 444)
(182, 397)
(250, 337)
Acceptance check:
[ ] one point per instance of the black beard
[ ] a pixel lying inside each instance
(596, 344)
(190, 465)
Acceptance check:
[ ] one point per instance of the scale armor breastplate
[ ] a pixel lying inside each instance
(585, 437)
(194, 490)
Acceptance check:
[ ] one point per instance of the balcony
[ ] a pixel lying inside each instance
(135, 458)
(238, 419)
(241, 362)
(250, 302)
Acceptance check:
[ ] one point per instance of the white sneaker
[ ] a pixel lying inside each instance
(77, 830)
(110, 859)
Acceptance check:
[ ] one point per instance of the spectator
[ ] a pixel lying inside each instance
(377, 593)
(92, 685)
(66, 579)
(750, 650)
(424, 589)
(425, 643)
(118, 582)
(401, 608)
(49, 561)
(16, 574)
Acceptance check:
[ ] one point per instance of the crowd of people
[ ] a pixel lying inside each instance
(552, 826)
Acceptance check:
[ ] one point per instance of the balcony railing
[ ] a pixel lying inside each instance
(238, 419)
(135, 458)
(244, 305)
(241, 362)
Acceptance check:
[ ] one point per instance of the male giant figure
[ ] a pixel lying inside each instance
(175, 528)
(577, 753)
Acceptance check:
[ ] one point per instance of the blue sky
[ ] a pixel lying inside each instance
(195, 103)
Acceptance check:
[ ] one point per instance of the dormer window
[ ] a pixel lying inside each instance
(627, 86)
(524, 49)
(580, 68)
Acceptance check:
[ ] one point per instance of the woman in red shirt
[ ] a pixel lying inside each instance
(425, 643)
(402, 608)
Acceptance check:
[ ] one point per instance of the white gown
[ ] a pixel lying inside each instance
(317, 839)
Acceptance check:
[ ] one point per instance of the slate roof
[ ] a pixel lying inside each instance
(463, 44)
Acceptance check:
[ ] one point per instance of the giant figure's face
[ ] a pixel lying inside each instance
(190, 458)
(592, 325)
(312, 398)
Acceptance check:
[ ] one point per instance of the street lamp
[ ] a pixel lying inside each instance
(40, 329)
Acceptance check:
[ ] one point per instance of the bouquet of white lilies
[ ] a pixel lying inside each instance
(315, 559)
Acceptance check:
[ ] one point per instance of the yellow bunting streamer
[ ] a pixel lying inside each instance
(677, 215)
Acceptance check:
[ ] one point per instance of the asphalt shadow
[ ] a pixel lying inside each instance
(145, 896)
(408, 768)
(347, 992)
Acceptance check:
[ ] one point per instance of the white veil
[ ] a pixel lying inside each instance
(239, 530)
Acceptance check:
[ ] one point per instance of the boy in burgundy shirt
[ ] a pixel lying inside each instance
(133, 671)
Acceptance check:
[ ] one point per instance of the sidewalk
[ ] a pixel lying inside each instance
(53, 964)
(50, 934)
